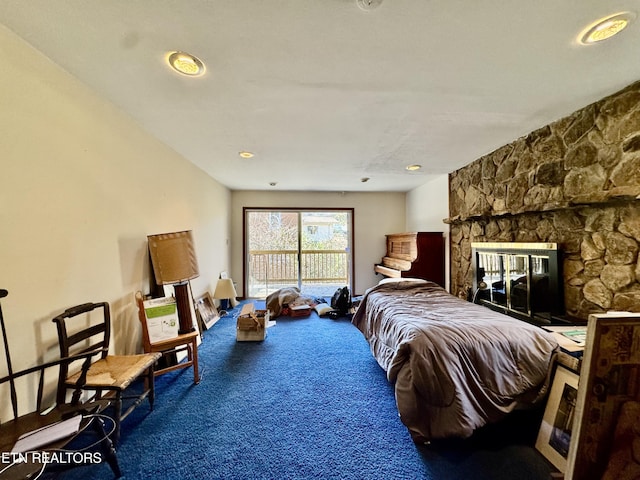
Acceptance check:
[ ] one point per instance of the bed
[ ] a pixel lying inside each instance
(456, 366)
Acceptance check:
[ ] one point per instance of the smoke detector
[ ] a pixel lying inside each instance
(368, 5)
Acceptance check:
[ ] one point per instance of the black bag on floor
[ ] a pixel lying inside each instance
(341, 300)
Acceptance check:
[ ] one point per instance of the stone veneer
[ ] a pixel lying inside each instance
(575, 182)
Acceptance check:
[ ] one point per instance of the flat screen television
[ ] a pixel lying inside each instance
(520, 279)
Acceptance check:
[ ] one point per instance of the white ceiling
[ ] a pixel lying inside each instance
(326, 93)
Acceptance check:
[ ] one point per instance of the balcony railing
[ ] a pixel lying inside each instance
(321, 270)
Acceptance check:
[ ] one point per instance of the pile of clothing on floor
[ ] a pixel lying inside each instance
(285, 300)
(280, 301)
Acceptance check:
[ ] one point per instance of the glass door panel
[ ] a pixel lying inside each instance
(303, 248)
(518, 273)
(492, 267)
(272, 240)
(324, 251)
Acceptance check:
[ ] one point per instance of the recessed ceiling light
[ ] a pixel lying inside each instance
(368, 5)
(413, 168)
(606, 27)
(186, 64)
(245, 154)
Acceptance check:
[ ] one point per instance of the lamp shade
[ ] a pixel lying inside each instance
(225, 289)
(173, 257)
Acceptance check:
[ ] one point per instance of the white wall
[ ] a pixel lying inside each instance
(427, 206)
(375, 215)
(81, 186)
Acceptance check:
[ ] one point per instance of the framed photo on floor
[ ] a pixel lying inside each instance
(555, 431)
(207, 311)
(609, 380)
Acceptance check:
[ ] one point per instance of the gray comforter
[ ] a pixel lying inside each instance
(456, 365)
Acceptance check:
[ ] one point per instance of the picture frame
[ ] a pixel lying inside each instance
(609, 382)
(207, 312)
(555, 432)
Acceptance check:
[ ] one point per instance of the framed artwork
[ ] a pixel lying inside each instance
(207, 311)
(609, 381)
(555, 431)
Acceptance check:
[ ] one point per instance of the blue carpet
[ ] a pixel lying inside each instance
(309, 402)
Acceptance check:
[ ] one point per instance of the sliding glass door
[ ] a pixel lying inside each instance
(309, 249)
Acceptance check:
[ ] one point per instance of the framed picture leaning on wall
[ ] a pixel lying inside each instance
(609, 379)
(207, 311)
(557, 422)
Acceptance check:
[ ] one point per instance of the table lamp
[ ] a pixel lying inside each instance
(174, 263)
(225, 291)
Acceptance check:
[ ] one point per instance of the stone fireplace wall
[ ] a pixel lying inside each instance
(575, 182)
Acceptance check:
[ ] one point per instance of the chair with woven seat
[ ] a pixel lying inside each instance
(45, 416)
(79, 331)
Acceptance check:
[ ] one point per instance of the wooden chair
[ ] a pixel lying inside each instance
(11, 430)
(111, 375)
(184, 341)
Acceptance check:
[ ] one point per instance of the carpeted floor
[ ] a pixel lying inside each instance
(309, 402)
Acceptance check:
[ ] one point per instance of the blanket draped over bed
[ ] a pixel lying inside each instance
(456, 365)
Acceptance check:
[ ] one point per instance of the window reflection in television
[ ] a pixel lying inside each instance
(540, 292)
(518, 273)
(491, 276)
